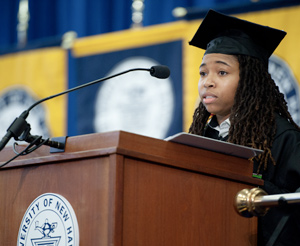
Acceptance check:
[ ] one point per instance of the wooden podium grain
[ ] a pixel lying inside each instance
(131, 190)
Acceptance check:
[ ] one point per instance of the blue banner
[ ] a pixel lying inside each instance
(134, 102)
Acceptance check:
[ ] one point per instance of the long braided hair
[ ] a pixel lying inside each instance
(252, 117)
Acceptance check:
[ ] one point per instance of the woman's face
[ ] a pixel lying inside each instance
(219, 78)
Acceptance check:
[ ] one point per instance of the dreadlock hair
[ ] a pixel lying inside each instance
(252, 117)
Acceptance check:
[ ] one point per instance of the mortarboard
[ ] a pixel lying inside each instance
(219, 33)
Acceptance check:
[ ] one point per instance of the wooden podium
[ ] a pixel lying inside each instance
(132, 190)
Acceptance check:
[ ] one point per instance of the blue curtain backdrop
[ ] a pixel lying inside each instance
(52, 18)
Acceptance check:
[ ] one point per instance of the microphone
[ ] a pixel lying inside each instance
(20, 126)
(161, 72)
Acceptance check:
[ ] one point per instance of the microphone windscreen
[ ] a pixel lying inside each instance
(160, 71)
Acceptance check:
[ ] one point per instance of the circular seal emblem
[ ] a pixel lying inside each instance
(135, 102)
(15, 100)
(287, 83)
(49, 220)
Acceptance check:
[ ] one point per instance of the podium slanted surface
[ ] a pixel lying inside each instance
(128, 190)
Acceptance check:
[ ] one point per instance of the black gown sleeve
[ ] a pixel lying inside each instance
(284, 177)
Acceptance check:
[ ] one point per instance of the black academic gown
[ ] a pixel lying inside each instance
(284, 177)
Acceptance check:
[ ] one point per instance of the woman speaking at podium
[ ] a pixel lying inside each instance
(240, 103)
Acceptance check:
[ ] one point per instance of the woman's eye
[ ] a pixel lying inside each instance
(202, 74)
(222, 73)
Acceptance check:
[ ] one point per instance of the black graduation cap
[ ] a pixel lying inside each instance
(219, 33)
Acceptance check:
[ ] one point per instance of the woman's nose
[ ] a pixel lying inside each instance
(209, 81)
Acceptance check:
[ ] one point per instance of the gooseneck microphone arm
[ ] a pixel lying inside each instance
(85, 85)
(21, 127)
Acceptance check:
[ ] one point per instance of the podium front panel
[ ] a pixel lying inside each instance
(131, 190)
(169, 206)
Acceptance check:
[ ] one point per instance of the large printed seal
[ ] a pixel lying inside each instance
(49, 221)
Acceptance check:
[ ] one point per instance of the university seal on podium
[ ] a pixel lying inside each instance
(49, 221)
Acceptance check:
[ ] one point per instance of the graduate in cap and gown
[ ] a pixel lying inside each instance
(241, 104)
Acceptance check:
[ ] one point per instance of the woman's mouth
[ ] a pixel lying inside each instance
(209, 99)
